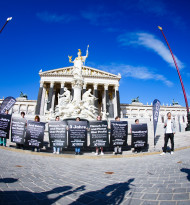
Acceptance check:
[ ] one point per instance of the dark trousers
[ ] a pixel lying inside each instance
(166, 138)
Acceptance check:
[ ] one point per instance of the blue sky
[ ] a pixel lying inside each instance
(123, 38)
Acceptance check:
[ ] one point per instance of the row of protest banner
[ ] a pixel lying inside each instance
(72, 133)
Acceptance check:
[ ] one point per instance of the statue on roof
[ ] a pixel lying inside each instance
(80, 59)
(174, 103)
(23, 95)
(78, 63)
(135, 99)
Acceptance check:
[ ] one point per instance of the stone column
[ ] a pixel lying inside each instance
(19, 105)
(43, 100)
(38, 105)
(26, 109)
(84, 88)
(115, 101)
(50, 96)
(72, 90)
(62, 88)
(96, 94)
(53, 100)
(118, 100)
(106, 98)
(103, 101)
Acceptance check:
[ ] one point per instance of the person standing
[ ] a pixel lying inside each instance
(3, 141)
(56, 149)
(36, 119)
(117, 149)
(99, 118)
(137, 149)
(169, 126)
(19, 146)
(77, 149)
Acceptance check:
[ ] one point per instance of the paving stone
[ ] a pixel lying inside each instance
(150, 203)
(183, 202)
(131, 201)
(179, 190)
(150, 196)
(165, 190)
(181, 196)
(168, 203)
(165, 196)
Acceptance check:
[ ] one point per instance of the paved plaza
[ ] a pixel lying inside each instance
(38, 178)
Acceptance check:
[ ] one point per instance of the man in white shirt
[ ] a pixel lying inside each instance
(169, 126)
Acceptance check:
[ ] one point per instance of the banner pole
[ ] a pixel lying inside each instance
(184, 93)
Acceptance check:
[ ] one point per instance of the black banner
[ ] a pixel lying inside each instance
(18, 127)
(77, 133)
(119, 133)
(99, 134)
(139, 135)
(35, 134)
(5, 120)
(58, 133)
(7, 104)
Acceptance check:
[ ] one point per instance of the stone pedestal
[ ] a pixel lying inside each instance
(77, 85)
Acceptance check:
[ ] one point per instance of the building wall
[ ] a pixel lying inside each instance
(144, 113)
(129, 112)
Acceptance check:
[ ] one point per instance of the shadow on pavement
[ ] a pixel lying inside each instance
(111, 194)
(186, 171)
(8, 180)
(43, 197)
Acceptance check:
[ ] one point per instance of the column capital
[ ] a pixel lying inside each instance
(41, 83)
(116, 87)
(62, 84)
(106, 86)
(52, 84)
(84, 85)
(95, 86)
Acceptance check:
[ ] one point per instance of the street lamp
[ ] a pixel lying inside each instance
(8, 19)
(184, 93)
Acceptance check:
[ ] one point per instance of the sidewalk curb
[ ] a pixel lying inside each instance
(106, 156)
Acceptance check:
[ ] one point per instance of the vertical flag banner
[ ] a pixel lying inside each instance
(7, 104)
(156, 109)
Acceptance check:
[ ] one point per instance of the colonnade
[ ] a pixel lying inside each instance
(107, 94)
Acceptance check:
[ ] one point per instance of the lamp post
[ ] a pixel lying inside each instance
(184, 93)
(8, 19)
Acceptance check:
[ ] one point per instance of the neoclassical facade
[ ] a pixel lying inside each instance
(104, 86)
(128, 112)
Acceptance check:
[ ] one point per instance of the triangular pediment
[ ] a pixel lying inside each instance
(86, 72)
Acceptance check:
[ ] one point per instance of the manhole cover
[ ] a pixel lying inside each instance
(18, 166)
(109, 172)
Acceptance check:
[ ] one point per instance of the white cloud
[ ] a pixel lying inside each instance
(142, 73)
(54, 18)
(149, 41)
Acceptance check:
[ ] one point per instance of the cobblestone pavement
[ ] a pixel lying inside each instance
(26, 178)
